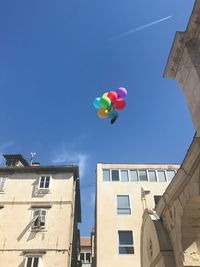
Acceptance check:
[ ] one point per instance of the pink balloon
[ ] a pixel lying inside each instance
(120, 104)
(121, 92)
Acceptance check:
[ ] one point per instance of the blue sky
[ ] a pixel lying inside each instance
(57, 56)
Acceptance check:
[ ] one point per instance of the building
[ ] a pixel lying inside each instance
(123, 193)
(86, 251)
(171, 236)
(39, 213)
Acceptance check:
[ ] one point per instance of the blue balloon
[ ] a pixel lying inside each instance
(112, 114)
(96, 102)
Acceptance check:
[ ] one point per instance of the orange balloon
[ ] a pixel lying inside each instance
(103, 113)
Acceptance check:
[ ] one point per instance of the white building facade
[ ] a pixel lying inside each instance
(123, 193)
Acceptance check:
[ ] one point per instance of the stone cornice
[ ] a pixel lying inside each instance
(32, 250)
(183, 40)
(35, 204)
(175, 56)
(42, 169)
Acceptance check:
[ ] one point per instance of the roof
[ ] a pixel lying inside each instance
(42, 169)
(85, 241)
(16, 157)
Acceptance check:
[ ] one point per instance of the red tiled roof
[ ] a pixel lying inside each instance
(85, 242)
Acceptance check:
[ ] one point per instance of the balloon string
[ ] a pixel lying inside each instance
(112, 107)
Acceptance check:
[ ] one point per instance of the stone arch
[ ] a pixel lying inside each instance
(156, 249)
(190, 232)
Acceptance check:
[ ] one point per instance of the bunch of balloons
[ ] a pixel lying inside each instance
(109, 103)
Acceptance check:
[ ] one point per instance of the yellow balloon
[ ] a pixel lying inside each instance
(103, 113)
(105, 94)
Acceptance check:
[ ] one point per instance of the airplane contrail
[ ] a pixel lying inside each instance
(140, 28)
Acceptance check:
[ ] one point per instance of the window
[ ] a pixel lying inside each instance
(115, 175)
(170, 174)
(33, 261)
(2, 182)
(44, 182)
(124, 175)
(156, 199)
(85, 257)
(133, 176)
(39, 218)
(126, 242)
(106, 175)
(161, 176)
(123, 204)
(11, 163)
(152, 175)
(88, 257)
(82, 257)
(143, 175)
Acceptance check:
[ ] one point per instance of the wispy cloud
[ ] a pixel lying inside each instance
(6, 145)
(66, 157)
(140, 28)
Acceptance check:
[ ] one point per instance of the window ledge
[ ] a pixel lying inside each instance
(41, 206)
(41, 193)
(36, 252)
(127, 254)
(38, 230)
(42, 190)
(121, 214)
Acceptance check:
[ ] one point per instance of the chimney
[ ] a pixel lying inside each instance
(15, 160)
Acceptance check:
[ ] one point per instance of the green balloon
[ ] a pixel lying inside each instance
(105, 102)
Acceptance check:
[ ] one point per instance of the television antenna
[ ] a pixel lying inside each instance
(32, 155)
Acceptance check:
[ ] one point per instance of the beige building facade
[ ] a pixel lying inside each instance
(123, 193)
(171, 236)
(39, 214)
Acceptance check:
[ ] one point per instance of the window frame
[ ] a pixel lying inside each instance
(45, 188)
(120, 175)
(12, 163)
(84, 261)
(152, 170)
(129, 209)
(103, 175)
(126, 245)
(137, 171)
(111, 170)
(2, 184)
(90, 256)
(164, 171)
(40, 217)
(144, 170)
(166, 174)
(33, 256)
(133, 181)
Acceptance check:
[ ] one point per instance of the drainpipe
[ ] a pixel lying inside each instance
(72, 224)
